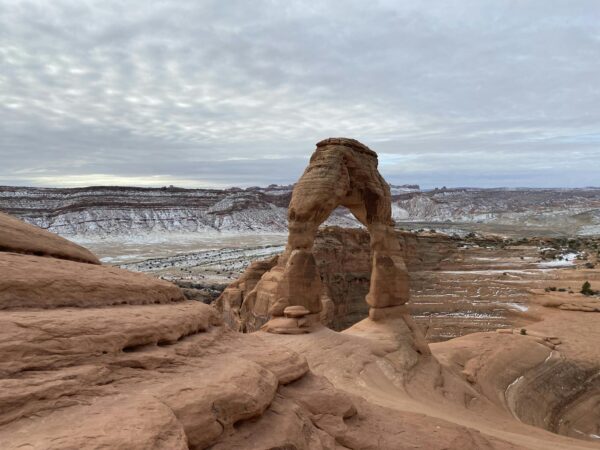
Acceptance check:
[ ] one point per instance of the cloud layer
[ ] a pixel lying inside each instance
(213, 93)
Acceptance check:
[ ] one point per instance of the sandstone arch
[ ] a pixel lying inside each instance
(341, 172)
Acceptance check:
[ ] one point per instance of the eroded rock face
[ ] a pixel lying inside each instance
(19, 237)
(344, 259)
(342, 172)
(96, 357)
(37, 282)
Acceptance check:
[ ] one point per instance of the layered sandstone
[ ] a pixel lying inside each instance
(167, 374)
(18, 237)
(38, 282)
(341, 172)
(95, 357)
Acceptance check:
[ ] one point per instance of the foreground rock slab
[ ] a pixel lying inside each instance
(20, 237)
(37, 282)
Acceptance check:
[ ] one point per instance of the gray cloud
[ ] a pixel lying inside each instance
(216, 93)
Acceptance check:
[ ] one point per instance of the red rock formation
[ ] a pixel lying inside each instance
(37, 282)
(342, 172)
(18, 237)
(57, 277)
(97, 357)
(169, 376)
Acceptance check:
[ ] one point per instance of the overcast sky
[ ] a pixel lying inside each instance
(220, 93)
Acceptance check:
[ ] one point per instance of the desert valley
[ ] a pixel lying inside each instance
(271, 318)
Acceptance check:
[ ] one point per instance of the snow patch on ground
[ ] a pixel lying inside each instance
(566, 260)
(460, 315)
(518, 306)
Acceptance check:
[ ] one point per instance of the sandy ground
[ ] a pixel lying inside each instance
(127, 250)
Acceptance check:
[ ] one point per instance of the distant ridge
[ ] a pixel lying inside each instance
(100, 211)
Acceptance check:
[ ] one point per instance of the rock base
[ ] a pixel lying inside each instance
(391, 312)
(292, 325)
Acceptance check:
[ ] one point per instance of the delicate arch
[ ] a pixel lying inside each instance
(343, 172)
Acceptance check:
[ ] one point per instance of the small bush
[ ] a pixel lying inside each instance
(586, 289)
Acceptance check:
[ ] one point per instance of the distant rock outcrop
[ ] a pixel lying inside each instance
(92, 212)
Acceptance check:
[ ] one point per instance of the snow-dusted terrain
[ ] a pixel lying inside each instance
(97, 213)
(573, 211)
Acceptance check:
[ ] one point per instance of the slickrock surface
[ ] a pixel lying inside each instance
(20, 237)
(95, 357)
(195, 378)
(500, 384)
(172, 376)
(38, 282)
(552, 382)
